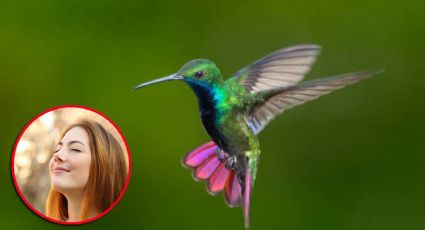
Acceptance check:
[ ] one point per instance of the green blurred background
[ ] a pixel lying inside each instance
(350, 160)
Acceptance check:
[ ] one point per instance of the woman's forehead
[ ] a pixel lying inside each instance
(75, 135)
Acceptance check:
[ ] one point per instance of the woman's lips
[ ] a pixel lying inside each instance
(60, 170)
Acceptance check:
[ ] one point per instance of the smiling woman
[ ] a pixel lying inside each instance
(67, 191)
(88, 170)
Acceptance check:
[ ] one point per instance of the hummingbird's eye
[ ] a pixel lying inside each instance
(199, 74)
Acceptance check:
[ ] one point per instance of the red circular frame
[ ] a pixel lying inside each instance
(38, 212)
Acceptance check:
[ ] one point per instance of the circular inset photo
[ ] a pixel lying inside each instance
(71, 165)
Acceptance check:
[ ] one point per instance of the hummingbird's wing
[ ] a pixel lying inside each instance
(282, 68)
(272, 102)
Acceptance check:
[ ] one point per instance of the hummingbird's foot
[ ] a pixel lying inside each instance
(221, 155)
(231, 162)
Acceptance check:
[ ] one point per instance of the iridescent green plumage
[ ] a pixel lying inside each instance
(235, 111)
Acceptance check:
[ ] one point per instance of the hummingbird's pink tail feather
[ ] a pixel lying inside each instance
(206, 169)
(200, 154)
(233, 191)
(207, 166)
(218, 179)
(246, 195)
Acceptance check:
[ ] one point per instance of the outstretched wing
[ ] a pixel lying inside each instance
(276, 101)
(282, 68)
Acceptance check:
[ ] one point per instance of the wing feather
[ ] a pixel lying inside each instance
(282, 68)
(276, 101)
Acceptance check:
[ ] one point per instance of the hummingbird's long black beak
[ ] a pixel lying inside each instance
(167, 78)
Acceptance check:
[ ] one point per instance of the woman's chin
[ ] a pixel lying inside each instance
(60, 185)
(64, 186)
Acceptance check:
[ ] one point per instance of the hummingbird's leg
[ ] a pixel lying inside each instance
(221, 155)
(231, 162)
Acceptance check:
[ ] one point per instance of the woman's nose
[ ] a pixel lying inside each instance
(59, 156)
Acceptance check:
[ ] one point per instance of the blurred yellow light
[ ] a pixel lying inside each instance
(23, 145)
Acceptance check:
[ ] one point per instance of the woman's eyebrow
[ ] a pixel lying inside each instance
(76, 142)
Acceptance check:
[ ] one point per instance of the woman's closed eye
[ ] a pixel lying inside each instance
(57, 148)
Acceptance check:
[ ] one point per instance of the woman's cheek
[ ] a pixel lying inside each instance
(51, 165)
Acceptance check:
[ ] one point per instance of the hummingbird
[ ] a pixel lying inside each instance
(234, 111)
